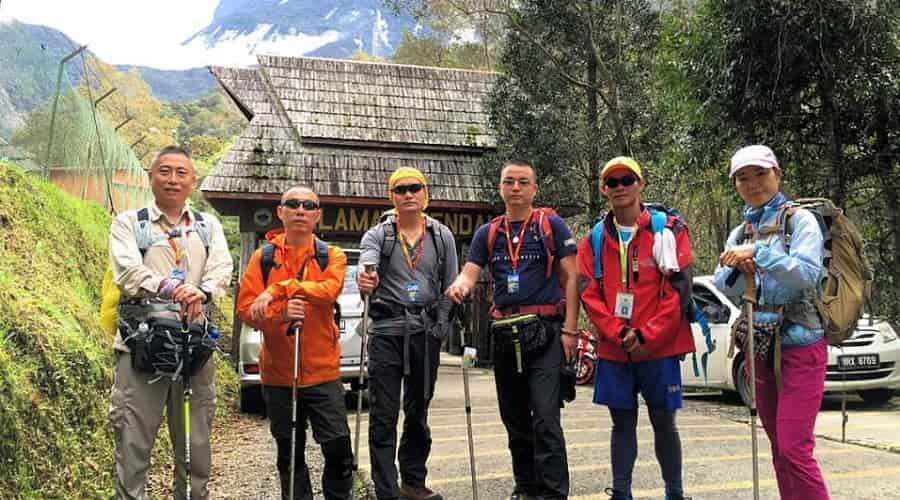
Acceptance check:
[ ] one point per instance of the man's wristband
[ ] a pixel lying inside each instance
(570, 333)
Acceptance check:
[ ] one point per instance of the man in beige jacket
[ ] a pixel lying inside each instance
(169, 262)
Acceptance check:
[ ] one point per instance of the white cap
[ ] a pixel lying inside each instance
(757, 155)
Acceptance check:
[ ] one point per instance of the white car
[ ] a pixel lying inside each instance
(867, 363)
(351, 316)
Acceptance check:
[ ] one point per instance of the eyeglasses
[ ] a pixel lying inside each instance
(626, 181)
(407, 188)
(510, 182)
(294, 203)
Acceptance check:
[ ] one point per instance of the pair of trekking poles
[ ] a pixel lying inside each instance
(368, 268)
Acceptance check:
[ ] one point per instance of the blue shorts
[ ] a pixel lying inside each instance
(616, 385)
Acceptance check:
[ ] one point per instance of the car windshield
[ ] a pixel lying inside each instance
(350, 280)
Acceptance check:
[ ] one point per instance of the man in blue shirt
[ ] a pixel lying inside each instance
(531, 256)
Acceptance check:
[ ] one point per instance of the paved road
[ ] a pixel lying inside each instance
(715, 436)
(714, 430)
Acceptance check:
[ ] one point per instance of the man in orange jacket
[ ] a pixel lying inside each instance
(298, 290)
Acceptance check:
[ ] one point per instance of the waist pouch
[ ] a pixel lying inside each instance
(528, 330)
(766, 331)
(157, 347)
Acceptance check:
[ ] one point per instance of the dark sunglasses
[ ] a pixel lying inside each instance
(626, 181)
(407, 188)
(295, 204)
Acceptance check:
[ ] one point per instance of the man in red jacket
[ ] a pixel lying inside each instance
(643, 331)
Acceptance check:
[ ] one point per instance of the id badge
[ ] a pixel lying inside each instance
(177, 274)
(624, 305)
(512, 283)
(412, 288)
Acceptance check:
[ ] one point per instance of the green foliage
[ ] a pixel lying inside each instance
(208, 123)
(818, 81)
(437, 51)
(574, 93)
(29, 72)
(55, 363)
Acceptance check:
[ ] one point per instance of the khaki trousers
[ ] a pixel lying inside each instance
(136, 410)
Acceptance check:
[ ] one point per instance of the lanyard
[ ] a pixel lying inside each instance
(420, 250)
(174, 233)
(624, 246)
(514, 253)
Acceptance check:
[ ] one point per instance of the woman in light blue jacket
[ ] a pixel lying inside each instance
(787, 277)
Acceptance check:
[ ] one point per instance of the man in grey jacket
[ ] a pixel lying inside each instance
(417, 261)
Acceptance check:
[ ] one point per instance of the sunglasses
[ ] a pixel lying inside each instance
(626, 181)
(295, 204)
(407, 188)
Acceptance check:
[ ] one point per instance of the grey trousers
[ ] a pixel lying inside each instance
(136, 410)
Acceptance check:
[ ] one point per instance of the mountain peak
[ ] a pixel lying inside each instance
(241, 29)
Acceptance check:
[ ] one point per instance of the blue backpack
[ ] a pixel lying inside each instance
(659, 219)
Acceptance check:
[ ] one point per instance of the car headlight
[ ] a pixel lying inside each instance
(887, 333)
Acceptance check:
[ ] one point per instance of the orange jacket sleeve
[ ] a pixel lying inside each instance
(251, 287)
(324, 291)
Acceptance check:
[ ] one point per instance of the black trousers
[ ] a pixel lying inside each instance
(322, 406)
(386, 376)
(530, 409)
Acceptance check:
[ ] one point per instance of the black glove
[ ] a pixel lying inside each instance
(567, 383)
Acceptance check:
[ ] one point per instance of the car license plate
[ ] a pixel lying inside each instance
(858, 362)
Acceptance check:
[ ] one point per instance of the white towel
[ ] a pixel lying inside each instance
(665, 252)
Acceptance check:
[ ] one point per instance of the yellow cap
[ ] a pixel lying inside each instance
(621, 162)
(407, 173)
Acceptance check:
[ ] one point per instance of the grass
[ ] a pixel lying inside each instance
(55, 362)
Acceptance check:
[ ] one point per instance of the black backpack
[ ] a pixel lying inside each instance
(267, 262)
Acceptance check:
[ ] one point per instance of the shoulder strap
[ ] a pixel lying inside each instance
(202, 228)
(387, 245)
(437, 237)
(493, 227)
(597, 233)
(658, 220)
(321, 253)
(546, 230)
(143, 232)
(267, 261)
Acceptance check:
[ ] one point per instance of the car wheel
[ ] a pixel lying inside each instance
(742, 380)
(585, 373)
(252, 400)
(877, 396)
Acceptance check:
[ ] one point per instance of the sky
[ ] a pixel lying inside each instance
(139, 32)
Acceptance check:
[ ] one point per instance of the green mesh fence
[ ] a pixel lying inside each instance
(82, 154)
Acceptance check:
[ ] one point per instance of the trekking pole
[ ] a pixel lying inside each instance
(469, 354)
(367, 268)
(186, 401)
(749, 299)
(297, 327)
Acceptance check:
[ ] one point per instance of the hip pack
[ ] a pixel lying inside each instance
(160, 347)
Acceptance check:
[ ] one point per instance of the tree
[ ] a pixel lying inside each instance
(819, 81)
(151, 121)
(573, 92)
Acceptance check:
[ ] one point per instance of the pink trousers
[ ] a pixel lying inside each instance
(789, 417)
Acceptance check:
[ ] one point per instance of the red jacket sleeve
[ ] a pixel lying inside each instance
(592, 296)
(666, 320)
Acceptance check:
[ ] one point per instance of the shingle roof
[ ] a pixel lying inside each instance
(343, 126)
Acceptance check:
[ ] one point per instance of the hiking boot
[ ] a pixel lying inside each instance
(615, 495)
(418, 492)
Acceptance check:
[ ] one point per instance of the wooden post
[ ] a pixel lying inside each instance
(248, 246)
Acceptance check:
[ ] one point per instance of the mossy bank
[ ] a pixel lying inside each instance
(55, 362)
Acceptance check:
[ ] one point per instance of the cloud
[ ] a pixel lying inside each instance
(136, 32)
